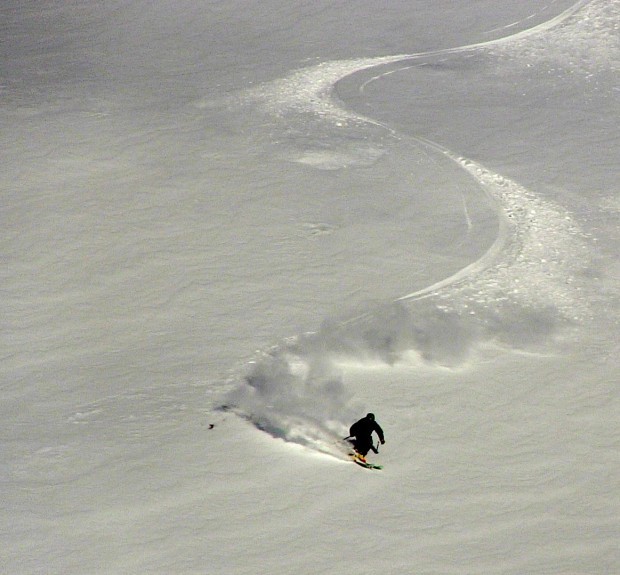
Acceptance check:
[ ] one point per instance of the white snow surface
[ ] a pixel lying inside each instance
(230, 229)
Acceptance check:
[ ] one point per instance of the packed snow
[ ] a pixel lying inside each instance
(232, 229)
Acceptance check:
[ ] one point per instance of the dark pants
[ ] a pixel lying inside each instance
(362, 445)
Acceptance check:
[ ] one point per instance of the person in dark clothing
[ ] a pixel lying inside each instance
(360, 434)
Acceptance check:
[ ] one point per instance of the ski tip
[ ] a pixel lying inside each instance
(367, 465)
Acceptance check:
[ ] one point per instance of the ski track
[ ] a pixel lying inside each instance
(530, 264)
(527, 18)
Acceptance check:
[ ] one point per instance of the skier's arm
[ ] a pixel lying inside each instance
(379, 432)
(353, 430)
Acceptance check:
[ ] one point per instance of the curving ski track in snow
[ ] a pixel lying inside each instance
(310, 90)
(293, 391)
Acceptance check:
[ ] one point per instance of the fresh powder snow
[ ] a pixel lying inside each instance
(232, 229)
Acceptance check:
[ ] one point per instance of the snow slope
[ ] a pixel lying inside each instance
(230, 230)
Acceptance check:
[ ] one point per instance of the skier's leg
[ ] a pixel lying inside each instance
(363, 445)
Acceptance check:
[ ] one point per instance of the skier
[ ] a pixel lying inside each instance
(361, 434)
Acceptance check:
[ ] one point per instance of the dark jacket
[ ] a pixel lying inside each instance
(363, 429)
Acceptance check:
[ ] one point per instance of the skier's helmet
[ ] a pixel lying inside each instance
(370, 416)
